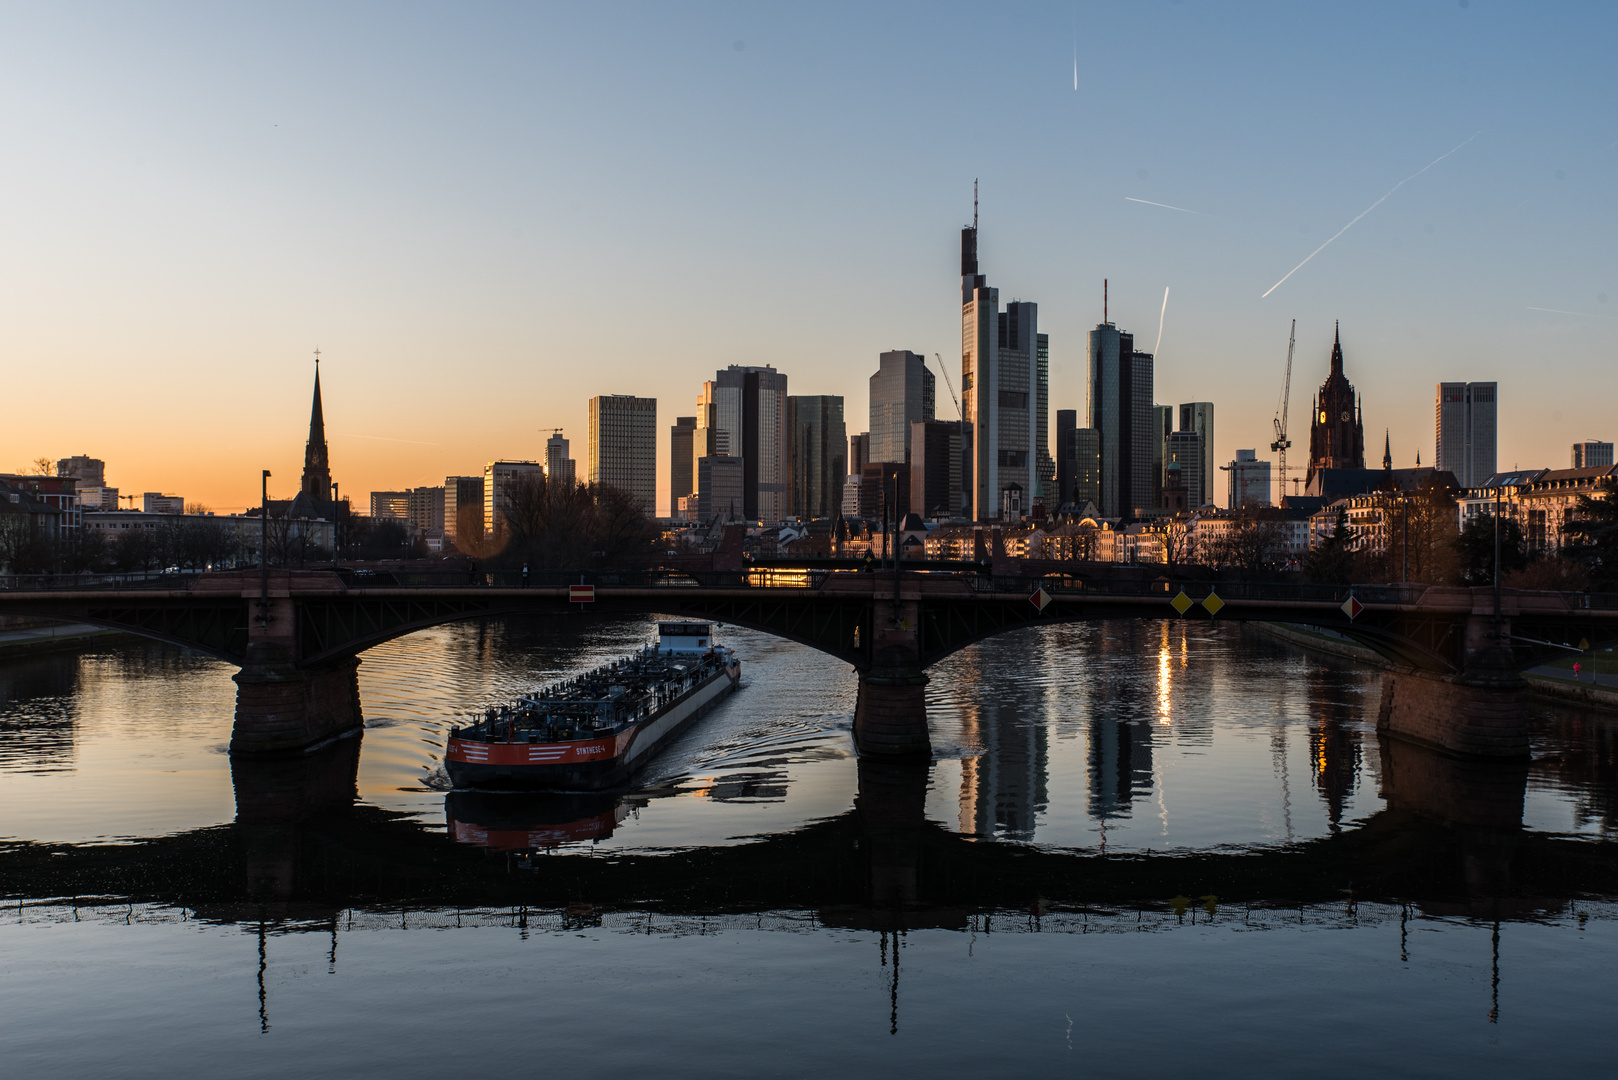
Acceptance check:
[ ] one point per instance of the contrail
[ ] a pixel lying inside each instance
(384, 438)
(1160, 316)
(1367, 210)
(1582, 314)
(1164, 205)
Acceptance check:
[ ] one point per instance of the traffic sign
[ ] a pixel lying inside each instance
(1213, 603)
(1352, 607)
(1040, 598)
(1181, 603)
(581, 594)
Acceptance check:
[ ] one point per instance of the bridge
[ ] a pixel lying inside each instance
(296, 634)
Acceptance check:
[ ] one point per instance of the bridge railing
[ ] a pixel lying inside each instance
(137, 579)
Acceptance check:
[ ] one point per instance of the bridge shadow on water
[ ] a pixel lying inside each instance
(302, 849)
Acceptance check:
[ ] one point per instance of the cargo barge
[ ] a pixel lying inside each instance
(591, 732)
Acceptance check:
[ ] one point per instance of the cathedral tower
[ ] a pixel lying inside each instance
(1336, 430)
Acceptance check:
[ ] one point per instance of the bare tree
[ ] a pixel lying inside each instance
(1254, 542)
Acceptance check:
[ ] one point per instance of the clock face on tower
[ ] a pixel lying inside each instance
(1322, 416)
(1345, 416)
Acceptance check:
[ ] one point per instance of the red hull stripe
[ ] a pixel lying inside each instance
(473, 752)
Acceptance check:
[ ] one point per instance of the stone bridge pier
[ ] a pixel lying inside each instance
(281, 707)
(1479, 711)
(890, 717)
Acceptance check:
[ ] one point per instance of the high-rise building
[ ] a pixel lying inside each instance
(720, 488)
(1184, 455)
(499, 477)
(90, 472)
(1465, 423)
(1086, 468)
(935, 467)
(623, 446)
(742, 414)
(682, 463)
(559, 467)
(1005, 392)
(1591, 454)
(817, 455)
(1249, 480)
(463, 508)
(885, 490)
(1336, 426)
(1198, 416)
(426, 509)
(901, 393)
(390, 504)
(1121, 412)
(1162, 428)
(859, 452)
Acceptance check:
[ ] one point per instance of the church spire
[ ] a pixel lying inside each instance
(1337, 351)
(316, 465)
(1387, 451)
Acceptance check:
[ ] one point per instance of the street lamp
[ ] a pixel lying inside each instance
(264, 549)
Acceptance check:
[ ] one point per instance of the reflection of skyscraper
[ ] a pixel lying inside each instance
(1003, 789)
(1120, 765)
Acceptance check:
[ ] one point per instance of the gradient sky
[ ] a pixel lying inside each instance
(485, 214)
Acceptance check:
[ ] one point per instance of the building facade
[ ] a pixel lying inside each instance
(902, 392)
(721, 489)
(498, 479)
(817, 455)
(1465, 424)
(742, 414)
(1198, 416)
(1249, 480)
(424, 509)
(88, 471)
(463, 508)
(390, 504)
(623, 446)
(155, 502)
(935, 467)
(1591, 454)
(560, 468)
(682, 462)
(1120, 381)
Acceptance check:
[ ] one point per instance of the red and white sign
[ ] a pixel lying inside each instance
(1352, 607)
(581, 594)
(1040, 599)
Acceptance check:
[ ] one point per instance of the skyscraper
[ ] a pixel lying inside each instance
(901, 392)
(1198, 416)
(1591, 454)
(623, 446)
(1465, 424)
(935, 467)
(499, 477)
(742, 414)
(463, 508)
(1184, 456)
(859, 452)
(682, 439)
(1121, 411)
(1078, 462)
(817, 459)
(1337, 426)
(1005, 391)
(1249, 480)
(559, 467)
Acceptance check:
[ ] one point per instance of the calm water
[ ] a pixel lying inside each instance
(1139, 848)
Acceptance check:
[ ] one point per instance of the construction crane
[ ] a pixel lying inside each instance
(1281, 441)
(951, 386)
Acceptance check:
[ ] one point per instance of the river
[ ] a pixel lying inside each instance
(1139, 848)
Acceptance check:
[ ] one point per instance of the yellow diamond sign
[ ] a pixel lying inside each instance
(1213, 603)
(1181, 603)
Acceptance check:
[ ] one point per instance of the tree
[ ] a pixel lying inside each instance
(570, 526)
(1590, 534)
(1421, 529)
(1174, 533)
(1331, 562)
(1474, 549)
(1254, 542)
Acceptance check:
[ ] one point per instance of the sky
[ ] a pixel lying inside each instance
(483, 215)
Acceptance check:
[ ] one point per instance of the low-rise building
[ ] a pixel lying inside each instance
(1539, 500)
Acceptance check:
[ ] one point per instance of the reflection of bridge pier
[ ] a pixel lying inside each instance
(277, 796)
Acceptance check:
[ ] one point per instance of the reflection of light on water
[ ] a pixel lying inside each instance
(1165, 681)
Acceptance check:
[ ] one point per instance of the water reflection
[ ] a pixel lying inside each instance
(38, 725)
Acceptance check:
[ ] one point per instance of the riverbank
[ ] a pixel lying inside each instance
(1546, 682)
(50, 637)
